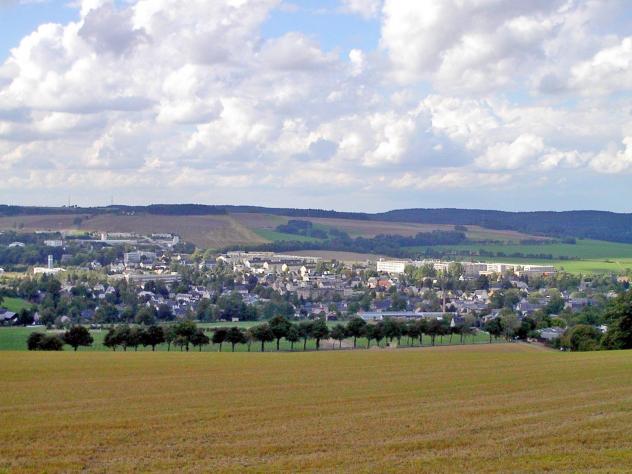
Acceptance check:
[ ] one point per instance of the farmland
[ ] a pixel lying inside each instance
(217, 231)
(594, 256)
(499, 408)
(211, 231)
(368, 229)
(583, 249)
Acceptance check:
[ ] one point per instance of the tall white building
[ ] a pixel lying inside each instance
(391, 266)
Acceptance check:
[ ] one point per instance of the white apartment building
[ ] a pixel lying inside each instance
(391, 266)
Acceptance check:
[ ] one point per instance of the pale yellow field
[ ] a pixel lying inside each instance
(212, 231)
(499, 408)
(218, 231)
(370, 229)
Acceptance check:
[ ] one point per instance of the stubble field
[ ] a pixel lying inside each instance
(499, 408)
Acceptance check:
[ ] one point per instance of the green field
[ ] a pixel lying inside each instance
(14, 304)
(595, 256)
(14, 339)
(498, 408)
(584, 249)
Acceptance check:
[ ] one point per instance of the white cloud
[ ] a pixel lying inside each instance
(607, 71)
(366, 8)
(189, 94)
(294, 52)
(614, 160)
(449, 179)
(512, 155)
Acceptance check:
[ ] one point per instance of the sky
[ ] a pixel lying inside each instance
(358, 105)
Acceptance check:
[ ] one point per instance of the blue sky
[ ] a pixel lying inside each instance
(325, 22)
(17, 21)
(346, 104)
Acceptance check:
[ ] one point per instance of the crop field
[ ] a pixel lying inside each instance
(364, 228)
(217, 231)
(212, 231)
(499, 408)
(14, 339)
(52, 222)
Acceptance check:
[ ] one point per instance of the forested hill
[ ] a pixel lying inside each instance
(600, 225)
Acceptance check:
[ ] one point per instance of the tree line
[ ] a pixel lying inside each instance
(185, 335)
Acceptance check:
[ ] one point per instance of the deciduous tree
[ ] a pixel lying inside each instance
(152, 336)
(339, 333)
(279, 326)
(319, 331)
(235, 336)
(263, 334)
(78, 336)
(199, 339)
(356, 328)
(219, 336)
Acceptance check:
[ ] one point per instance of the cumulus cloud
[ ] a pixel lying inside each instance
(190, 94)
(512, 155)
(614, 159)
(607, 71)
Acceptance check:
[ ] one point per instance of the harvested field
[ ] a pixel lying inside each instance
(217, 231)
(499, 408)
(362, 228)
(53, 222)
(212, 231)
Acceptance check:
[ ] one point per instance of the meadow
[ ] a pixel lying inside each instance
(584, 249)
(592, 256)
(14, 304)
(498, 408)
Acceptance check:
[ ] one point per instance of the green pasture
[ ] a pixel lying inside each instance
(14, 304)
(593, 256)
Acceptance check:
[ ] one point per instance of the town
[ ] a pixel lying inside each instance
(106, 279)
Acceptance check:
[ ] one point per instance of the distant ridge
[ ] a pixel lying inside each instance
(599, 225)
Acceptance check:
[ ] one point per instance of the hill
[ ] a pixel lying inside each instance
(498, 408)
(598, 225)
(220, 230)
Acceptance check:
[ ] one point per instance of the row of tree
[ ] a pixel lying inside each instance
(75, 337)
(185, 334)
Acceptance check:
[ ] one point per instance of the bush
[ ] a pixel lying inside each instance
(582, 337)
(38, 341)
